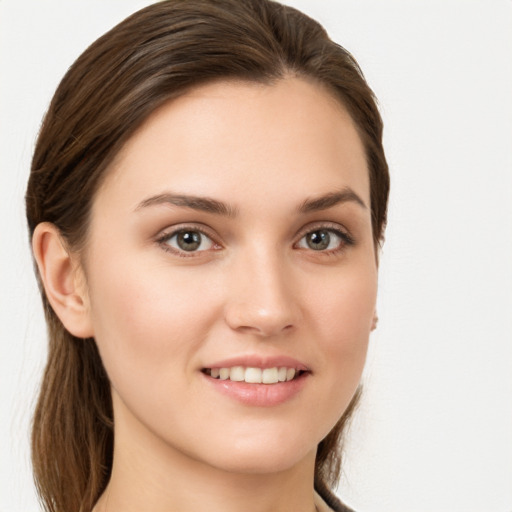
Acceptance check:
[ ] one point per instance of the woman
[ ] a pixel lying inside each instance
(206, 202)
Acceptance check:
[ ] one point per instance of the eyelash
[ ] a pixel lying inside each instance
(346, 239)
(166, 236)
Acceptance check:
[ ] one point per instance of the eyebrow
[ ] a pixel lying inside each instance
(204, 204)
(209, 205)
(329, 200)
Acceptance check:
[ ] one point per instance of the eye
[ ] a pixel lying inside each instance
(324, 240)
(187, 240)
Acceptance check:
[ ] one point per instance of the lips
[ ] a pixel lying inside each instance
(258, 381)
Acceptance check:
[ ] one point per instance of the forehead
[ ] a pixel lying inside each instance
(232, 139)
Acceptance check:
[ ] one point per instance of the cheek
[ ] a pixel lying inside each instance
(145, 318)
(343, 315)
(343, 308)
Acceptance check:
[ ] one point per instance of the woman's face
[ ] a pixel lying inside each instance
(233, 236)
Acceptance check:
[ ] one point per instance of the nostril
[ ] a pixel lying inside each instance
(263, 322)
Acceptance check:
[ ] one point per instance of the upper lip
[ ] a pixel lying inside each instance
(256, 361)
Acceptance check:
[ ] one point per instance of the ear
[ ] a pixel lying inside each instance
(374, 321)
(63, 280)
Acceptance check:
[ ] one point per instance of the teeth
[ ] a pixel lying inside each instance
(254, 375)
(269, 376)
(237, 373)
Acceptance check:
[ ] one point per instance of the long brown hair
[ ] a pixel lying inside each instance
(153, 56)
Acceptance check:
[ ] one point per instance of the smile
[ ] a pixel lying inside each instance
(253, 375)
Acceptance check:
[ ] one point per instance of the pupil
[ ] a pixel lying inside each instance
(318, 240)
(189, 240)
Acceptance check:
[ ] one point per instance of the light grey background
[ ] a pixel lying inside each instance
(434, 432)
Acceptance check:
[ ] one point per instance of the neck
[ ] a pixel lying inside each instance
(151, 475)
(186, 488)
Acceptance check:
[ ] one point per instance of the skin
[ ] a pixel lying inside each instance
(257, 288)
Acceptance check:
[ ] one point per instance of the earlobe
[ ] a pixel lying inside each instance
(375, 320)
(62, 279)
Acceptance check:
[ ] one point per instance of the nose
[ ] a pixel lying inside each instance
(262, 296)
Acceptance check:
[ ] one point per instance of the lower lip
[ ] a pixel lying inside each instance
(260, 395)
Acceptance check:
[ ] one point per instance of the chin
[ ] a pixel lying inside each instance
(260, 462)
(259, 456)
